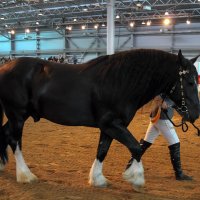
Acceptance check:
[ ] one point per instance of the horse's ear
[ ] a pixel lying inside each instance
(193, 60)
(180, 56)
(181, 59)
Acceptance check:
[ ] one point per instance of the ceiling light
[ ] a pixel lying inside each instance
(117, 16)
(27, 30)
(12, 32)
(2, 18)
(148, 23)
(132, 24)
(166, 13)
(188, 21)
(37, 23)
(143, 23)
(69, 28)
(166, 21)
(85, 9)
(83, 27)
(103, 25)
(96, 26)
(37, 30)
(139, 5)
(40, 14)
(75, 19)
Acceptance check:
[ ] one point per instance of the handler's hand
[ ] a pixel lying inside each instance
(164, 105)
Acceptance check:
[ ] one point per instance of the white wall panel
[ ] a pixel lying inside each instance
(153, 41)
(187, 40)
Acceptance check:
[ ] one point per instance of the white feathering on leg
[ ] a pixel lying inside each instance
(135, 174)
(2, 166)
(23, 173)
(96, 177)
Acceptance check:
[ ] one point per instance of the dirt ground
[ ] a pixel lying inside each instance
(61, 157)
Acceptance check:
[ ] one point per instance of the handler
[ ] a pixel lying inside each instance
(160, 124)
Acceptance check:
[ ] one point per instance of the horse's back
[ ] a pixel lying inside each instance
(60, 93)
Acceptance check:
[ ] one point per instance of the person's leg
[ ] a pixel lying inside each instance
(169, 132)
(150, 136)
(176, 162)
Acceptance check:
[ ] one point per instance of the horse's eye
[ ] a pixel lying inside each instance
(191, 83)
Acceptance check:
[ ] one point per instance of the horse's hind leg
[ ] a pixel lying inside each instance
(96, 177)
(14, 133)
(3, 147)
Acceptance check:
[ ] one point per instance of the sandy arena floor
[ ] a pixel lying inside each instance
(61, 157)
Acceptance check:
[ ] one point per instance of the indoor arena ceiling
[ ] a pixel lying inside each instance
(59, 13)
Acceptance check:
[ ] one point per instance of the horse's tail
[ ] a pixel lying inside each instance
(3, 140)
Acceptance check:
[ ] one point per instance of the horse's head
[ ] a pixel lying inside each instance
(185, 92)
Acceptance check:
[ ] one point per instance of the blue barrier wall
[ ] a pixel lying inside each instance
(90, 43)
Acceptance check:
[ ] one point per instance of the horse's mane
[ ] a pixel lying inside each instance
(132, 62)
(133, 70)
(137, 57)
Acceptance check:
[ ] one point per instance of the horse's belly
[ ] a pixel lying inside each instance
(75, 113)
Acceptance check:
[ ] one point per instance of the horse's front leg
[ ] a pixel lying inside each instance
(23, 173)
(134, 172)
(96, 177)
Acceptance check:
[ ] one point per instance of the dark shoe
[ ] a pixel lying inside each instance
(176, 163)
(183, 177)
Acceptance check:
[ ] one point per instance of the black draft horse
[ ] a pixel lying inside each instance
(105, 92)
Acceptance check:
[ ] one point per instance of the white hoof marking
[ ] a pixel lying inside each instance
(2, 166)
(26, 177)
(96, 177)
(135, 174)
(23, 173)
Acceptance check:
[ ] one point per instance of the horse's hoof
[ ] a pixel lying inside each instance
(138, 189)
(26, 178)
(2, 165)
(99, 181)
(135, 174)
(136, 180)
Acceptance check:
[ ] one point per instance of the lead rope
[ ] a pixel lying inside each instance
(183, 124)
(198, 131)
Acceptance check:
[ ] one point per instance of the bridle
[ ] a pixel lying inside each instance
(183, 107)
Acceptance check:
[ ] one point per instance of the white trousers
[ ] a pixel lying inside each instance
(162, 126)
